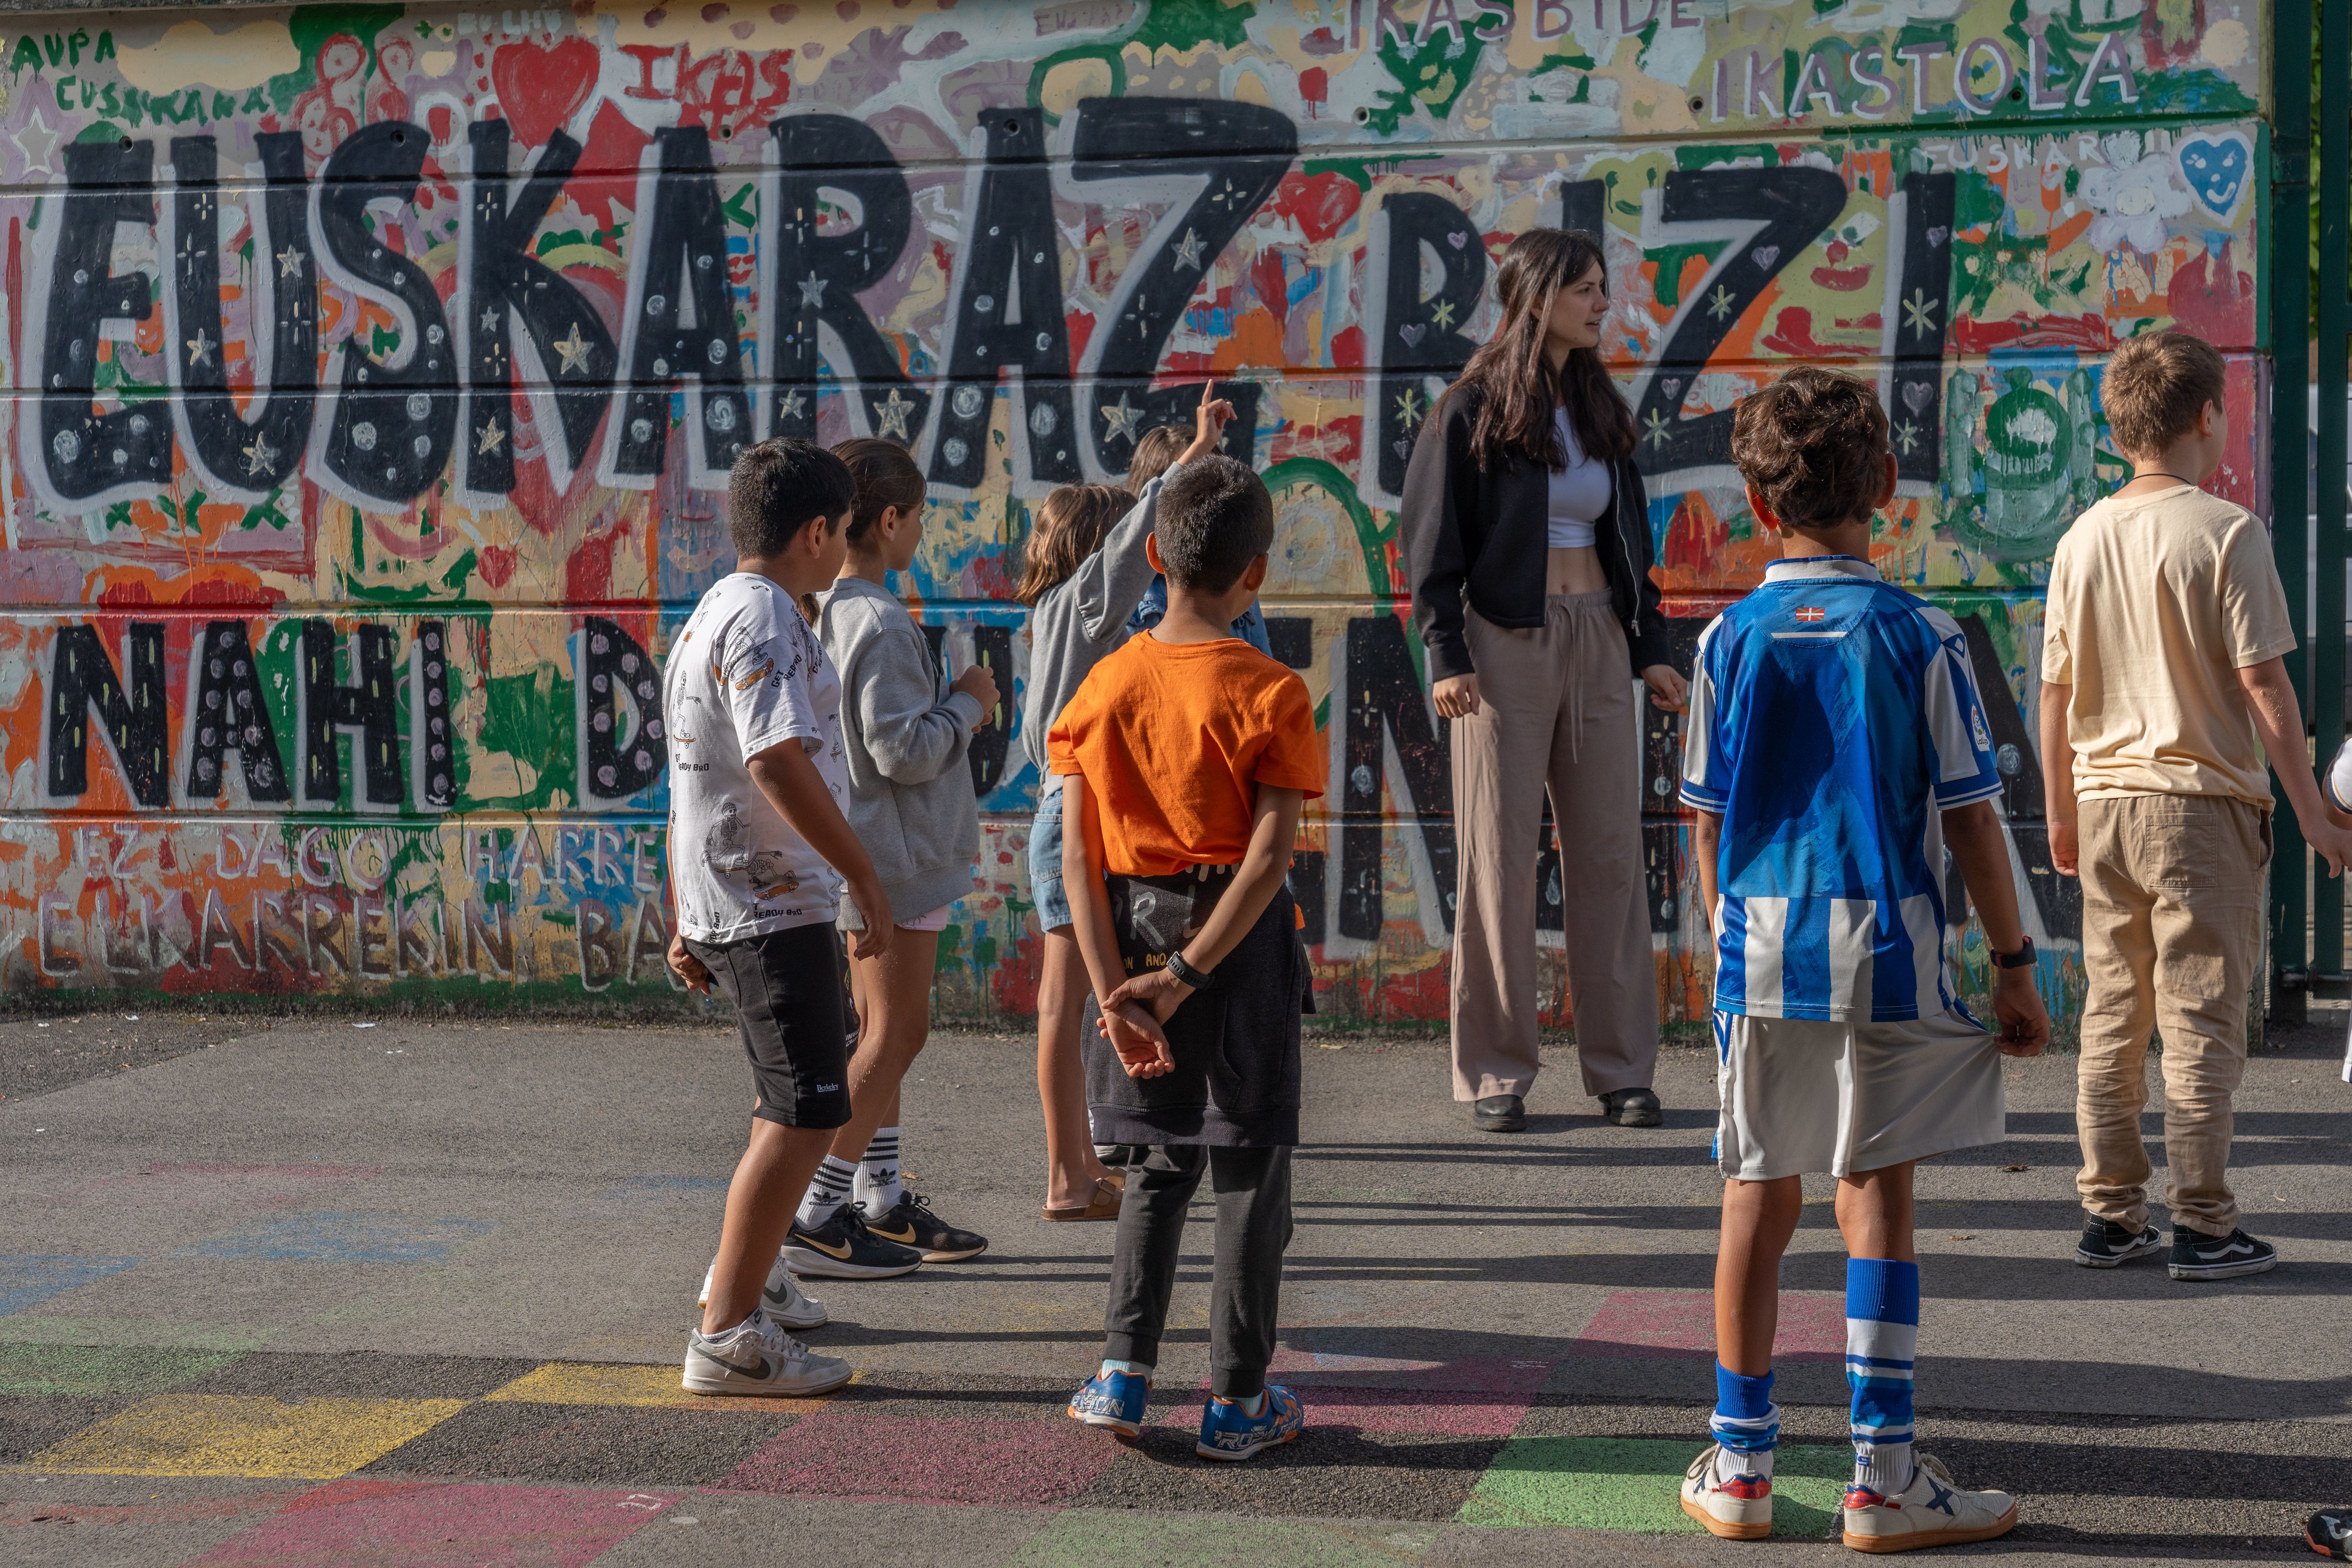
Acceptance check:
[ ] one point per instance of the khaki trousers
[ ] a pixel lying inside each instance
(2172, 919)
(1555, 711)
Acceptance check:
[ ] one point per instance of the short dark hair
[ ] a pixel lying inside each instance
(2154, 387)
(1812, 446)
(1216, 518)
(779, 487)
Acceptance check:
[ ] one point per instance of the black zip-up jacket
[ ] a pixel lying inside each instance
(1481, 537)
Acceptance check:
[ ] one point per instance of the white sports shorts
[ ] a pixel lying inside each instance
(1799, 1096)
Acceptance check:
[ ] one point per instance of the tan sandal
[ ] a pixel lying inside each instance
(1104, 1204)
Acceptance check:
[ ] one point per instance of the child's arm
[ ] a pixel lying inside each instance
(1973, 834)
(2279, 717)
(1143, 1056)
(2058, 778)
(1273, 832)
(912, 735)
(1706, 847)
(1110, 582)
(787, 775)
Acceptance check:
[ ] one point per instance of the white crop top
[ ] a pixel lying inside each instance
(1580, 492)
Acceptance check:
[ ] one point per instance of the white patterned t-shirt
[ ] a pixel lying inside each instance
(747, 673)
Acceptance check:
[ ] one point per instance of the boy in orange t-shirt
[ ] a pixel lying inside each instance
(1188, 754)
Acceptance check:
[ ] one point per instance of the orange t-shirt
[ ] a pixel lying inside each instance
(1174, 738)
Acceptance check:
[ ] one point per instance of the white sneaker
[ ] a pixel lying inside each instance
(1740, 1508)
(1933, 1510)
(783, 1300)
(755, 1356)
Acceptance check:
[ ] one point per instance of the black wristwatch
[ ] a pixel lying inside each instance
(2017, 959)
(1197, 979)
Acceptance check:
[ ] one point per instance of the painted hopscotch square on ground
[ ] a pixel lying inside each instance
(332, 1237)
(84, 1370)
(845, 1450)
(581, 1383)
(1087, 1537)
(245, 1435)
(1635, 1484)
(363, 1523)
(1679, 1324)
(29, 1278)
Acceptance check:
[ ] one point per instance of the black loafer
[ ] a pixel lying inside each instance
(1633, 1108)
(1499, 1113)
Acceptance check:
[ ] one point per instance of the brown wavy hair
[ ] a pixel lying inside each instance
(1156, 454)
(1069, 527)
(884, 477)
(1517, 393)
(1812, 446)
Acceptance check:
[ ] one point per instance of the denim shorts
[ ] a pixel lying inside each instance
(1046, 863)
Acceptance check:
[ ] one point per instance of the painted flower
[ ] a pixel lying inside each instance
(2133, 203)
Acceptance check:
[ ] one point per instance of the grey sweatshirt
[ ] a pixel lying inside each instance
(1082, 620)
(910, 800)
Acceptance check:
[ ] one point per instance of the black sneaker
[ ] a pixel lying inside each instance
(1633, 1108)
(2107, 1245)
(1499, 1113)
(843, 1248)
(2329, 1533)
(2196, 1256)
(909, 1222)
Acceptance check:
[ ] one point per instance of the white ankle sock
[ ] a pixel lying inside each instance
(827, 1192)
(878, 1188)
(1731, 1462)
(1131, 1368)
(1253, 1406)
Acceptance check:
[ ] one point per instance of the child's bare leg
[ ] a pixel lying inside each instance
(894, 1013)
(776, 1167)
(1072, 1169)
(1873, 1211)
(1758, 1219)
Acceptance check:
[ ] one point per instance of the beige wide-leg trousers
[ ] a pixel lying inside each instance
(1555, 711)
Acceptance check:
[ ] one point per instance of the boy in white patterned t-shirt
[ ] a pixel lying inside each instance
(756, 838)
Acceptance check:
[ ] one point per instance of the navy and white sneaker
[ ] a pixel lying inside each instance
(757, 1357)
(843, 1248)
(2107, 1245)
(1229, 1432)
(909, 1222)
(1112, 1399)
(783, 1301)
(2329, 1533)
(2197, 1255)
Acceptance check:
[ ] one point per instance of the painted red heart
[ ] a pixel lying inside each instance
(540, 85)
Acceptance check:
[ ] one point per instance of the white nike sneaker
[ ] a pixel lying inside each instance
(756, 1356)
(1738, 1509)
(782, 1300)
(1933, 1510)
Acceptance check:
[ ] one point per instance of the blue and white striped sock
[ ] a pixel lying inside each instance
(1881, 1337)
(1746, 1423)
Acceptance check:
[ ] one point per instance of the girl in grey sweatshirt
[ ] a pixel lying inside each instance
(907, 729)
(1084, 575)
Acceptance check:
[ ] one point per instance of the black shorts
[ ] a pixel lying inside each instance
(791, 993)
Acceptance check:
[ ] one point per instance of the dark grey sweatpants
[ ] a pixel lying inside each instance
(1253, 1188)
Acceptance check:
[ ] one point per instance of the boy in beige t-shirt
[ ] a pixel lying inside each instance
(2164, 684)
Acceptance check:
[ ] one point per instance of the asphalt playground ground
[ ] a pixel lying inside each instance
(346, 1291)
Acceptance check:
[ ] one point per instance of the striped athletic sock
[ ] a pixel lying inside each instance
(1746, 1423)
(1882, 1335)
(827, 1193)
(878, 1188)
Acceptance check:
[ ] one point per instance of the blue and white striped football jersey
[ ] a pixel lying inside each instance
(1833, 720)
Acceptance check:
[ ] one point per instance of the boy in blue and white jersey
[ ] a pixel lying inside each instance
(1837, 747)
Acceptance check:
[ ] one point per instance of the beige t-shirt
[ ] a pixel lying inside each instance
(2155, 603)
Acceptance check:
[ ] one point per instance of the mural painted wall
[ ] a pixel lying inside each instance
(374, 370)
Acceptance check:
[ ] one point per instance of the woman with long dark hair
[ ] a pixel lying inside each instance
(1527, 538)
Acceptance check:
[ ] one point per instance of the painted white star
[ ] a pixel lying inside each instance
(492, 438)
(812, 289)
(289, 261)
(200, 348)
(1126, 419)
(490, 318)
(259, 455)
(1906, 435)
(37, 141)
(1188, 250)
(1660, 428)
(890, 416)
(1719, 304)
(573, 350)
(1919, 313)
(791, 404)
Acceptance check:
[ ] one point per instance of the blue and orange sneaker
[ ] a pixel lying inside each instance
(1112, 1399)
(1229, 1432)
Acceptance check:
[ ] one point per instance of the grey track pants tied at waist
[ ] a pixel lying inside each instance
(1253, 1191)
